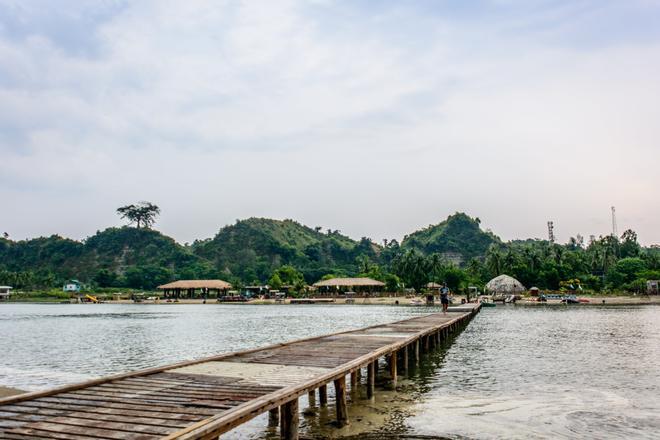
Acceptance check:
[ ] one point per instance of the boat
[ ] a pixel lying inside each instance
(488, 304)
(570, 299)
(584, 300)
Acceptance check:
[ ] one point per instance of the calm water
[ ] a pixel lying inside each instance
(514, 372)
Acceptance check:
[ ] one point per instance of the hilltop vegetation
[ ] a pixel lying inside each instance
(252, 249)
(257, 250)
(459, 235)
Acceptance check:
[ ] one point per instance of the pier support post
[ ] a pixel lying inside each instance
(416, 351)
(354, 382)
(371, 379)
(274, 417)
(323, 395)
(311, 397)
(404, 361)
(393, 367)
(340, 398)
(289, 420)
(426, 344)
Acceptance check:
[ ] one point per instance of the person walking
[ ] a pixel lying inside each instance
(444, 298)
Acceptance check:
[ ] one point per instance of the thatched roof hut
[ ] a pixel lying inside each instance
(504, 285)
(189, 287)
(433, 286)
(338, 285)
(196, 284)
(349, 282)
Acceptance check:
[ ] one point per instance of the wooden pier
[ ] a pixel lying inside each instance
(204, 398)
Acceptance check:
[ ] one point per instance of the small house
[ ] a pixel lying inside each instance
(653, 287)
(71, 286)
(5, 292)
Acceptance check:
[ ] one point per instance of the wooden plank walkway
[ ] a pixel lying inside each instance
(205, 398)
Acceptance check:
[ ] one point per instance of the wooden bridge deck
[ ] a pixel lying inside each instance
(208, 397)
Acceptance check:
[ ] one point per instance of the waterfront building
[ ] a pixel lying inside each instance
(195, 288)
(72, 286)
(653, 287)
(341, 286)
(5, 292)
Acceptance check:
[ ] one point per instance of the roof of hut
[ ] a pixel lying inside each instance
(504, 284)
(197, 284)
(433, 286)
(349, 282)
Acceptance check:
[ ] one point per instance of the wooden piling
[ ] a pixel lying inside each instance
(289, 420)
(393, 367)
(311, 397)
(405, 360)
(354, 381)
(323, 395)
(340, 400)
(371, 379)
(274, 417)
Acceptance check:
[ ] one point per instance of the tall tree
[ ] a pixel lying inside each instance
(143, 214)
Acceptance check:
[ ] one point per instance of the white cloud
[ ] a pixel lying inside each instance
(356, 121)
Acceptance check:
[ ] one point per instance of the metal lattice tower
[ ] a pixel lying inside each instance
(551, 231)
(615, 229)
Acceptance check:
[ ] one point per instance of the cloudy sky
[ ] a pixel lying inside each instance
(372, 117)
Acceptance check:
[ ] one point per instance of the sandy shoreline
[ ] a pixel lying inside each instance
(402, 300)
(6, 391)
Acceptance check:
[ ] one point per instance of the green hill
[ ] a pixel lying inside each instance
(252, 249)
(458, 237)
(131, 257)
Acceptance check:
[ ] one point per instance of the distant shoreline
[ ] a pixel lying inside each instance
(389, 300)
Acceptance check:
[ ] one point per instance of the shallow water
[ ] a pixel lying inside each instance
(514, 372)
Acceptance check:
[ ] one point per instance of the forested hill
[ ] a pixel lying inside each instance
(134, 257)
(252, 249)
(459, 235)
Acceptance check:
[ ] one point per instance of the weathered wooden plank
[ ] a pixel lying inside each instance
(160, 418)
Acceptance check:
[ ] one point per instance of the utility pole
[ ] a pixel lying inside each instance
(615, 230)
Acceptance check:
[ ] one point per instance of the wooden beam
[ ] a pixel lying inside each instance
(340, 399)
(289, 420)
(311, 397)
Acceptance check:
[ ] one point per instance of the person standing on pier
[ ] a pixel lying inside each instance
(444, 298)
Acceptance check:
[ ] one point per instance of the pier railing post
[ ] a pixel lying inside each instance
(404, 361)
(340, 399)
(393, 367)
(274, 417)
(323, 395)
(371, 379)
(289, 420)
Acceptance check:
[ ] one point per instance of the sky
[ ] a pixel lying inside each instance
(372, 117)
